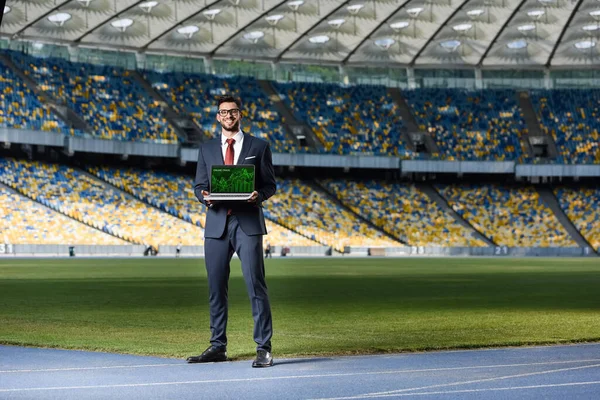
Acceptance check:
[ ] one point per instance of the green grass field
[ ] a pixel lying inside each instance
(320, 306)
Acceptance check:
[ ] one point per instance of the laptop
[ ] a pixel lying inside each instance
(231, 182)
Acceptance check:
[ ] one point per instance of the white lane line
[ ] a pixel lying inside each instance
(12, 371)
(555, 385)
(498, 378)
(290, 377)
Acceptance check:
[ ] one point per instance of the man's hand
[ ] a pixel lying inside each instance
(209, 203)
(253, 197)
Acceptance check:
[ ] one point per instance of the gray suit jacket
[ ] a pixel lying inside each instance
(250, 216)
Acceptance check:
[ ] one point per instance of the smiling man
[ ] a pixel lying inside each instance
(235, 227)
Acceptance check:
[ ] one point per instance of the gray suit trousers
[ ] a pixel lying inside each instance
(218, 253)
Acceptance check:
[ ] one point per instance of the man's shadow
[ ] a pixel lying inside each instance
(300, 360)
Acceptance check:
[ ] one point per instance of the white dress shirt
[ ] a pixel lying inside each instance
(237, 146)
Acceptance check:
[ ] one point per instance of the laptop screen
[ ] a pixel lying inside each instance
(232, 179)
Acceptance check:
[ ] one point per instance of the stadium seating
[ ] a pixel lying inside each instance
(94, 203)
(20, 108)
(174, 194)
(510, 216)
(470, 125)
(196, 94)
(572, 118)
(24, 221)
(402, 210)
(357, 119)
(108, 98)
(582, 206)
(310, 212)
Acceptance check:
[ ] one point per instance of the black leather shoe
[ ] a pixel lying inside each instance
(212, 354)
(263, 359)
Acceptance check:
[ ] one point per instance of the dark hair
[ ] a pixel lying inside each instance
(229, 99)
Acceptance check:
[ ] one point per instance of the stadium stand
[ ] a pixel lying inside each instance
(20, 108)
(510, 216)
(174, 194)
(357, 119)
(470, 125)
(109, 100)
(571, 117)
(94, 203)
(310, 212)
(196, 94)
(582, 206)
(24, 221)
(402, 210)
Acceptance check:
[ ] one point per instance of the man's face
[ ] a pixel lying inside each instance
(229, 116)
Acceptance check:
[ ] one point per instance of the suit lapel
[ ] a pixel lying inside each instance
(245, 148)
(218, 152)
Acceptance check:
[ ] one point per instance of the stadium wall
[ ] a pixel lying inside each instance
(25, 250)
(70, 145)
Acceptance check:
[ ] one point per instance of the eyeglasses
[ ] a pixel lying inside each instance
(234, 112)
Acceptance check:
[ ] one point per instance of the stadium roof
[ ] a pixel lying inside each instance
(428, 33)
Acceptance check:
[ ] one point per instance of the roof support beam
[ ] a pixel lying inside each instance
(412, 62)
(212, 53)
(106, 20)
(493, 42)
(41, 17)
(367, 37)
(278, 58)
(562, 33)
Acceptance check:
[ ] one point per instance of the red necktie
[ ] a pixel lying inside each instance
(229, 154)
(229, 157)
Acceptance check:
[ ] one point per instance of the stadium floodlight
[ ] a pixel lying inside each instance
(399, 25)
(536, 14)
(254, 36)
(355, 8)
(415, 11)
(320, 39)
(385, 43)
(595, 14)
(475, 13)
(211, 14)
(585, 45)
(59, 18)
(295, 4)
(147, 6)
(450, 45)
(336, 23)
(517, 44)
(6, 9)
(526, 28)
(85, 3)
(546, 2)
(590, 28)
(188, 31)
(274, 19)
(462, 27)
(235, 4)
(122, 24)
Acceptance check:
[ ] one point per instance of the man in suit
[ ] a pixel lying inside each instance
(235, 227)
